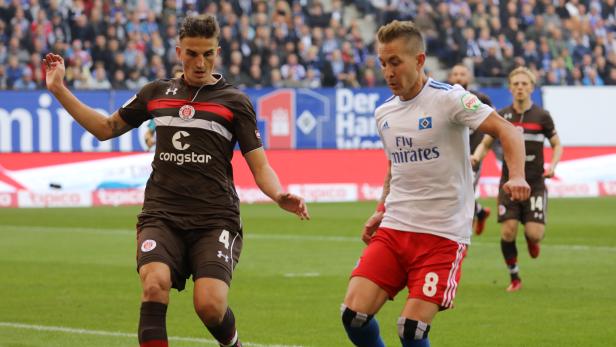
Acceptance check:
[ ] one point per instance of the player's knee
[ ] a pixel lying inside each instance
(409, 329)
(155, 290)
(352, 319)
(210, 312)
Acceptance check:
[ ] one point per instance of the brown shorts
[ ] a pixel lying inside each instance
(532, 210)
(211, 253)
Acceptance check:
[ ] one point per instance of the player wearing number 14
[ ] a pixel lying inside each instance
(536, 124)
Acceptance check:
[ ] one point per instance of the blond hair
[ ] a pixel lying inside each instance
(525, 71)
(402, 29)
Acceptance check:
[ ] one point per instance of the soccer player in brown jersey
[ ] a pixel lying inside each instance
(461, 74)
(536, 124)
(190, 222)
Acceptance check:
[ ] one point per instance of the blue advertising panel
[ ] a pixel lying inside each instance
(33, 121)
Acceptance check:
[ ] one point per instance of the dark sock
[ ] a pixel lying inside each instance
(225, 332)
(152, 326)
(510, 253)
(362, 331)
(481, 212)
(415, 343)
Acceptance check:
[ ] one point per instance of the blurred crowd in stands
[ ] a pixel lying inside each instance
(305, 43)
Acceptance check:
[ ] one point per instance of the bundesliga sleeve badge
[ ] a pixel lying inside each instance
(187, 112)
(470, 102)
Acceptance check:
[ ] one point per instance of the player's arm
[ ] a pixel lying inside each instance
(268, 182)
(372, 224)
(481, 150)
(96, 123)
(557, 152)
(515, 153)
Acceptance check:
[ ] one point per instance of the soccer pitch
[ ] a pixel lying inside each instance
(68, 279)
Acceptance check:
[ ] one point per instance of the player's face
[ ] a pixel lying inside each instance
(402, 68)
(521, 87)
(459, 75)
(198, 56)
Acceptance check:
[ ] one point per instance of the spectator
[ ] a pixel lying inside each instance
(25, 82)
(135, 80)
(100, 81)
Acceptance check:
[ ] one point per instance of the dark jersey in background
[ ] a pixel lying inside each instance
(537, 126)
(197, 129)
(475, 135)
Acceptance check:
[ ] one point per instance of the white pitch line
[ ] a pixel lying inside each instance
(119, 334)
(273, 237)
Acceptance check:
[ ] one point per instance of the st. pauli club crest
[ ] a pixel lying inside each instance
(187, 112)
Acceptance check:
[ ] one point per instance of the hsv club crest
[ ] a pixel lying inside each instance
(187, 112)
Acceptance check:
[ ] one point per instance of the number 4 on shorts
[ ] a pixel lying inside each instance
(224, 238)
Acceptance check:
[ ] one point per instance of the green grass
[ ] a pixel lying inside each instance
(75, 268)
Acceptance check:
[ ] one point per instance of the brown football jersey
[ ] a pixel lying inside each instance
(197, 129)
(537, 125)
(476, 136)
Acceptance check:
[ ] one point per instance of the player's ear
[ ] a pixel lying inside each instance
(178, 51)
(421, 59)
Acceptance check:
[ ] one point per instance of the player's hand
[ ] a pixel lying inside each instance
(475, 162)
(54, 65)
(150, 139)
(372, 224)
(549, 173)
(517, 189)
(294, 204)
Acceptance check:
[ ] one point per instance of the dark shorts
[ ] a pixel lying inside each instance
(532, 210)
(211, 253)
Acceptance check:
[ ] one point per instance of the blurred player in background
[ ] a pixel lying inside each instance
(461, 74)
(419, 234)
(190, 222)
(537, 125)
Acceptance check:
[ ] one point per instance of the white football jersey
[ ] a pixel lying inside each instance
(426, 140)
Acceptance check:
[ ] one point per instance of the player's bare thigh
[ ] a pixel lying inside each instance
(420, 310)
(365, 296)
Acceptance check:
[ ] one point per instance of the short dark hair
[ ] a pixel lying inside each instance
(402, 29)
(200, 26)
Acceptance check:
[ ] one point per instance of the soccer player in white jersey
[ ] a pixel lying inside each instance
(418, 236)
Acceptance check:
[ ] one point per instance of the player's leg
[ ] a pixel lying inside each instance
(509, 231)
(377, 277)
(534, 234)
(535, 216)
(433, 277)
(210, 301)
(156, 284)
(415, 321)
(509, 214)
(213, 255)
(481, 216)
(363, 300)
(159, 263)
(481, 213)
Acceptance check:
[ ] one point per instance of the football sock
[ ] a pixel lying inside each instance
(413, 333)
(481, 212)
(415, 343)
(362, 329)
(225, 332)
(152, 326)
(510, 253)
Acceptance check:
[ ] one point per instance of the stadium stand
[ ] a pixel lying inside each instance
(306, 43)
